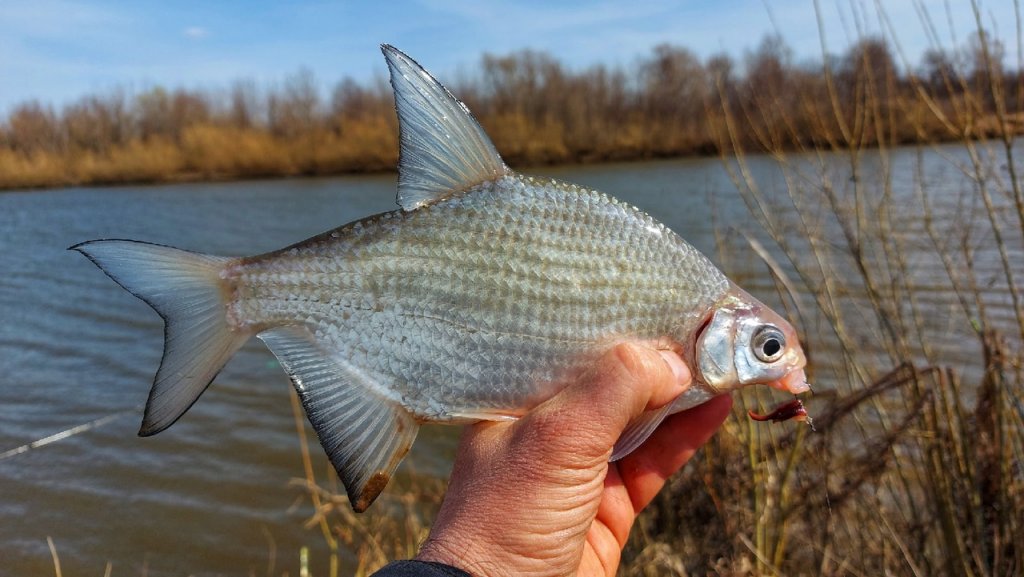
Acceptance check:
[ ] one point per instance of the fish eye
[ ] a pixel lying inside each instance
(768, 343)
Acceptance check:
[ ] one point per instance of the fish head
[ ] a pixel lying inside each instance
(746, 343)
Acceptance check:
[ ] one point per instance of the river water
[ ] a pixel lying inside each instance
(211, 495)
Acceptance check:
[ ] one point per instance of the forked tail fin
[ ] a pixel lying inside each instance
(186, 289)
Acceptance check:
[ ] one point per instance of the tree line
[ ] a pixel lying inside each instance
(538, 111)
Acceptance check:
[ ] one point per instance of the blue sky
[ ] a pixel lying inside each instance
(59, 50)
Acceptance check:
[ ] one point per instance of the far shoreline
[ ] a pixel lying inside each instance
(519, 165)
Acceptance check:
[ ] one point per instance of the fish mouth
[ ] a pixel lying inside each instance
(794, 382)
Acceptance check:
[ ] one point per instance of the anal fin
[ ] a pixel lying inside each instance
(365, 436)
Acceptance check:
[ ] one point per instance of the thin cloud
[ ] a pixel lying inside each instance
(195, 32)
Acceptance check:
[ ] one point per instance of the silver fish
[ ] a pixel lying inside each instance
(477, 300)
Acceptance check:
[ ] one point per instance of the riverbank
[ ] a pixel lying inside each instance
(212, 154)
(538, 112)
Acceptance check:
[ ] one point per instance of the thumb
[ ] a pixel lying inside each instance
(581, 424)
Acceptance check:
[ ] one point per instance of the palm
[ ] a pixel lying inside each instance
(632, 483)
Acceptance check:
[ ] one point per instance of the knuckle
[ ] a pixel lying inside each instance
(636, 366)
(630, 360)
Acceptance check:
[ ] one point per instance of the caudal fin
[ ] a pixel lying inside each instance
(185, 288)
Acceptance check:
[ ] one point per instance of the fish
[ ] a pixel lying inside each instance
(480, 297)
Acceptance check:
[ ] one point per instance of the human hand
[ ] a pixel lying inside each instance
(538, 496)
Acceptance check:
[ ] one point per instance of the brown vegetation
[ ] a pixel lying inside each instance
(536, 110)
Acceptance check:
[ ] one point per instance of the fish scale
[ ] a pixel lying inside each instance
(555, 301)
(483, 296)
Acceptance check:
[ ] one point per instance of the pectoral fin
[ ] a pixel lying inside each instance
(365, 436)
(638, 431)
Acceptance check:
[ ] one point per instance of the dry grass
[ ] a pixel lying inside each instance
(136, 161)
(225, 151)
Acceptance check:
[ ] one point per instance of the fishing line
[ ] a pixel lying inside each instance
(67, 433)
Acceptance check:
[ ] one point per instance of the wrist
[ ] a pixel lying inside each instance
(461, 554)
(503, 556)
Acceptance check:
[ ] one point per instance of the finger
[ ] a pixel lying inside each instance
(645, 470)
(668, 449)
(606, 552)
(616, 509)
(588, 416)
(680, 372)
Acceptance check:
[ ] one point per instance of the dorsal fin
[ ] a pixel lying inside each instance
(443, 148)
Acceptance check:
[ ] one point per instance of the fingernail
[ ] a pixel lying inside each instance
(679, 370)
